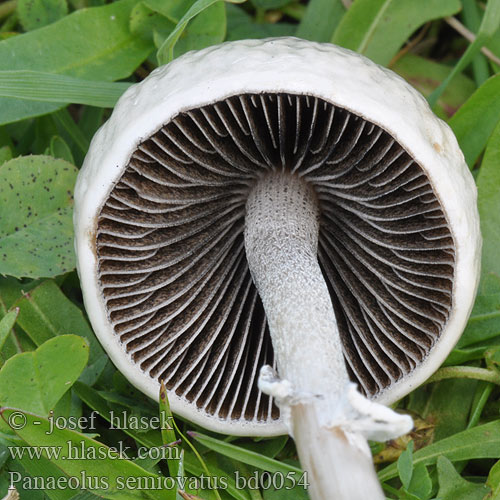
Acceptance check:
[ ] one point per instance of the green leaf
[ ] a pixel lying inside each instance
(34, 14)
(405, 495)
(23, 477)
(36, 381)
(488, 186)
(475, 121)
(270, 4)
(43, 468)
(197, 454)
(151, 438)
(46, 312)
(12, 290)
(85, 495)
(207, 28)
(378, 28)
(426, 75)
(405, 465)
(192, 465)
(36, 227)
(48, 87)
(93, 44)
(181, 473)
(165, 53)
(90, 121)
(494, 45)
(484, 321)
(144, 21)
(494, 481)
(95, 401)
(6, 325)
(297, 493)
(489, 25)
(15, 341)
(173, 10)
(453, 487)
(421, 483)
(483, 392)
(462, 356)
(448, 406)
(67, 125)
(482, 441)
(168, 434)
(60, 149)
(320, 20)
(241, 25)
(45, 129)
(267, 446)
(5, 154)
(243, 455)
(114, 477)
(472, 20)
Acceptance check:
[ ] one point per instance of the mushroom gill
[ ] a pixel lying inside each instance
(172, 264)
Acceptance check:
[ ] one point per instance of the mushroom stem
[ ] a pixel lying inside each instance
(336, 469)
(330, 422)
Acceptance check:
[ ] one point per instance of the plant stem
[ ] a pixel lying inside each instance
(410, 45)
(465, 372)
(391, 490)
(472, 20)
(480, 402)
(198, 456)
(467, 34)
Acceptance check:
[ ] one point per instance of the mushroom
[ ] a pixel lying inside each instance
(284, 206)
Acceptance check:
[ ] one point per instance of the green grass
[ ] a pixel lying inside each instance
(63, 65)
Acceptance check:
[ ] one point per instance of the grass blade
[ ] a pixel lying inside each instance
(378, 28)
(489, 209)
(48, 87)
(243, 455)
(167, 433)
(94, 43)
(489, 25)
(479, 442)
(166, 51)
(474, 122)
(320, 20)
(6, 325)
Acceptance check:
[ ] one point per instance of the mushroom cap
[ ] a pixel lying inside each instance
(313, 81)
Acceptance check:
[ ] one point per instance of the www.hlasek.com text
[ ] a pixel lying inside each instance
(81, 451)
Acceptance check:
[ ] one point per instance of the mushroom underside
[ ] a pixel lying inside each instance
(171, 256)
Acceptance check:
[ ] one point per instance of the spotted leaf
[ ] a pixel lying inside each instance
(36, 205)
